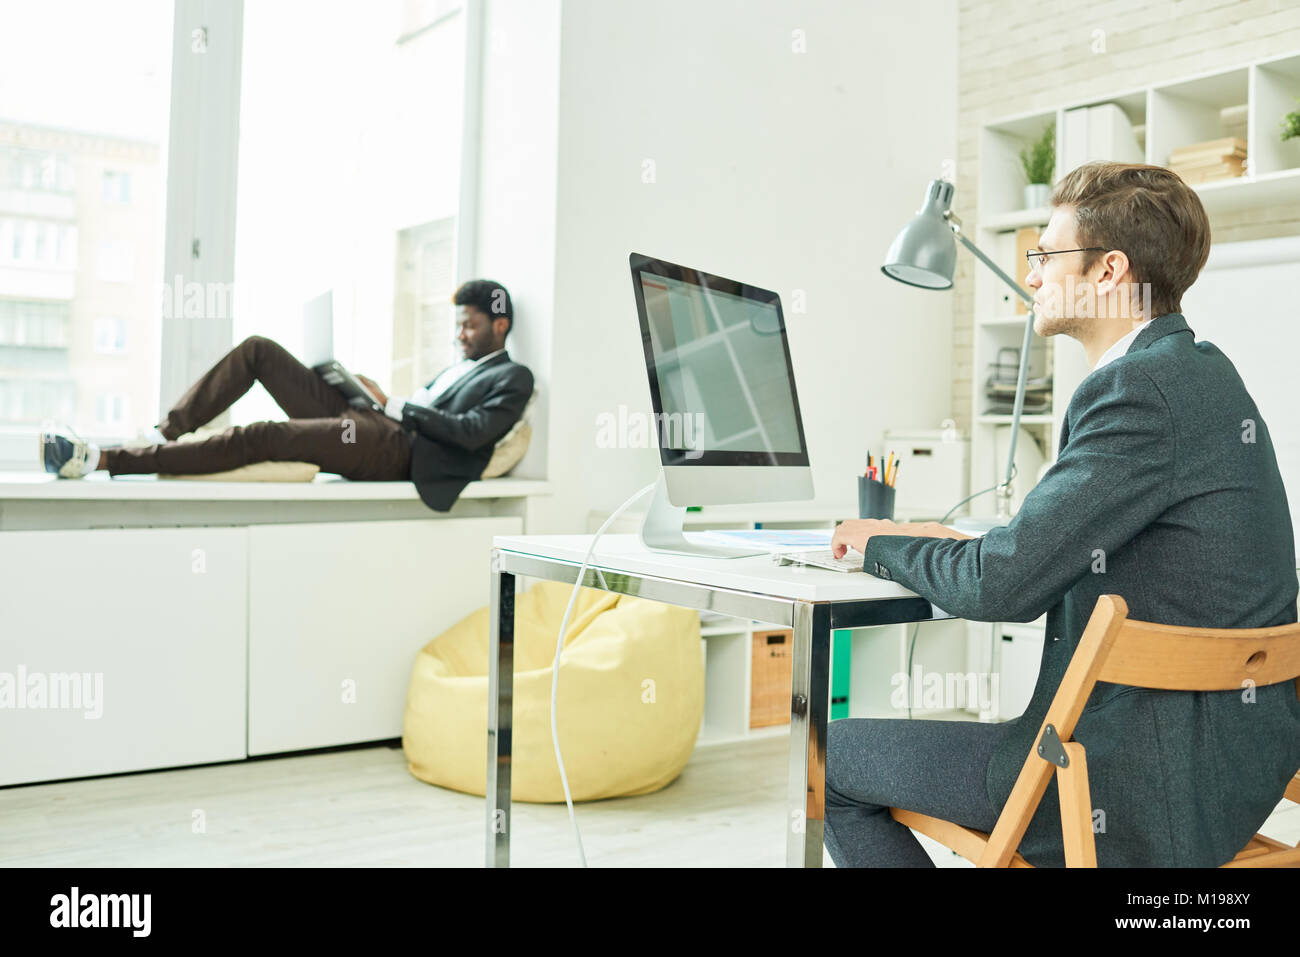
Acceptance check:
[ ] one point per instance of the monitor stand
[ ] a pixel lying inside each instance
(662, 530)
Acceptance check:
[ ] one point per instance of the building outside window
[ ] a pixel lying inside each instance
(110, 336)
(116, 261)
(117, 186)
(107, 129)
(110, 410)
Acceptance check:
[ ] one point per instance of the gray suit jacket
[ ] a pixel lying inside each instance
(452, 442)
(1166, 467)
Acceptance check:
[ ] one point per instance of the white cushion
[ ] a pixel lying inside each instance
(510, 448)
(255, 472)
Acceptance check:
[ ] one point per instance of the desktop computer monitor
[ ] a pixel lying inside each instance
(726, 411)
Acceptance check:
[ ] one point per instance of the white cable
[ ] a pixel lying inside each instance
(555, 669)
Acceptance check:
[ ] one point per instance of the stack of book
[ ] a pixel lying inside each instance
(1210, 161)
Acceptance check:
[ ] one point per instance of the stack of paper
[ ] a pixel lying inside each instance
(773, 539)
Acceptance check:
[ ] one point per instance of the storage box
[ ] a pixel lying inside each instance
(771, 674)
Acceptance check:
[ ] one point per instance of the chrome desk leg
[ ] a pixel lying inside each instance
(809, 701)
(501, 685)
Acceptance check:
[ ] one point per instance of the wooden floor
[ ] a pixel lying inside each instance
(363, 808)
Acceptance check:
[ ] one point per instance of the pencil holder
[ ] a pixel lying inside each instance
(875, 499)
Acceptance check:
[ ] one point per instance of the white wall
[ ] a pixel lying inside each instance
(788, 170)
(516, 195)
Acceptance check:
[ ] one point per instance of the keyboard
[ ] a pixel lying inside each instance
(822, 558)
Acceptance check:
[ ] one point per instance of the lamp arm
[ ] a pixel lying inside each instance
(1004, 495)
(1004, 490)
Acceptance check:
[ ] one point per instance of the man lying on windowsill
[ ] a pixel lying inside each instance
(441, 438)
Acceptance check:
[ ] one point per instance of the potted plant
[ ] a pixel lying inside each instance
(1291, 124)
(1038, 160)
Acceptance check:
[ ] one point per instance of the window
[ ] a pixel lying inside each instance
(90, 104)
(110, 336)
(33, 401)
(117, 187)
(335, 170)
(352, 136)
(34, 324)
(36, 170)
(66, 247)
(110, 410)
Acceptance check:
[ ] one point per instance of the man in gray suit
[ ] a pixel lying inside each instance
(1166, 492)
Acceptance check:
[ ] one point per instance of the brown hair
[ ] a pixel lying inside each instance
(1149, 213)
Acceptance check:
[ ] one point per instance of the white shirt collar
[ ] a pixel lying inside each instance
(1120, 347)
(486, 357)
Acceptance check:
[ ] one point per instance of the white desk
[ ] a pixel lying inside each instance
(810, 601)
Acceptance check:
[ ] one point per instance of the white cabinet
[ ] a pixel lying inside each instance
(1020, 652)
(337, 613)
(1010, 653)
(133, 649)
(145, 627)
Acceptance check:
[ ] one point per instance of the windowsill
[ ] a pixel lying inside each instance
(325, 487)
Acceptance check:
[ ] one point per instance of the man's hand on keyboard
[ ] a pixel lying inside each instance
(855, 532)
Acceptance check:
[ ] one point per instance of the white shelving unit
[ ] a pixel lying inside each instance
(1246, 101)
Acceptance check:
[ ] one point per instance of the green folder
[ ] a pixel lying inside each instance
(841, 659)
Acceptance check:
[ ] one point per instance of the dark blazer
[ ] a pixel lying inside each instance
(1157, 471)
(453, 441)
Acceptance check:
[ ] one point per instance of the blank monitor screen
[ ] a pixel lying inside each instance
(720, 374)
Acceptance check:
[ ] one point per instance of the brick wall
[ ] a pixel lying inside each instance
(1016, 57)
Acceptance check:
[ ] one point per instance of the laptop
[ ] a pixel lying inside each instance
(318, 346)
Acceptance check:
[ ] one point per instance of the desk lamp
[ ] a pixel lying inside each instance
(924, 254)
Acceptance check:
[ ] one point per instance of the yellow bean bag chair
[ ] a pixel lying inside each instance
(630, 700)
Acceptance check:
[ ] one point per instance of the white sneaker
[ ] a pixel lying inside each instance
(68, 455)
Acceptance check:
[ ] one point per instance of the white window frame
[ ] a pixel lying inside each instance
(202, 160)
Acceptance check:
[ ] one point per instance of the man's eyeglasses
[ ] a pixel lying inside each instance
(1041, 256)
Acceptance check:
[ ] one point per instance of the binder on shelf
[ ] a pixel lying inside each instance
(1111, 136)
(1098, 132)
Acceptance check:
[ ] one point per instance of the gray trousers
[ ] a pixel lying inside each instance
(933, 767)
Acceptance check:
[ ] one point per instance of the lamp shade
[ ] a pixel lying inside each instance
(925, 253)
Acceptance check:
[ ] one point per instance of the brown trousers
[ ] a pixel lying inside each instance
(359, 444)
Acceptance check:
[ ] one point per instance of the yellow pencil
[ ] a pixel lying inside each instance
(884, 476)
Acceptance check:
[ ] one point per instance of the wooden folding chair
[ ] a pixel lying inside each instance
(1125, 652)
